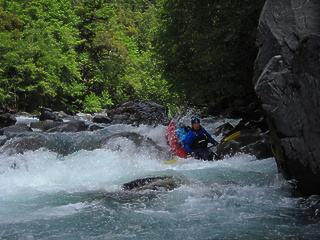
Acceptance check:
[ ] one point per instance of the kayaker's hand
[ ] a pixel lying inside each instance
(214, 143)
(191, 155)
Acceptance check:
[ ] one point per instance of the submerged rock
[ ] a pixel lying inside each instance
(140, 143)
(68, 143)
(23, 144)
(15, 129)
(162, 183)
(287, 81)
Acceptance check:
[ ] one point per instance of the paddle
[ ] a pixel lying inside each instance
(231, 137)
(171, 161)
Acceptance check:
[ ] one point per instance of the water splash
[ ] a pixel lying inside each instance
(48, 196)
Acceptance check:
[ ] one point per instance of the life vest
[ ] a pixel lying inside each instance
(181, 133)
(201, 140)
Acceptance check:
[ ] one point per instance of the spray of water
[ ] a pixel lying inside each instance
(44, 195)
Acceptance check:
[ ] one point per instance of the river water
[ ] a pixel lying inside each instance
(80, 196)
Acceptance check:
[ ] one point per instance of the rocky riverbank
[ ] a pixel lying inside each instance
(252, 140)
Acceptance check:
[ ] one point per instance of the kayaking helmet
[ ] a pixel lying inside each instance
(195, 120)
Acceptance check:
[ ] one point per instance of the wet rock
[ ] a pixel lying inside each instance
(141, 144)
(101, 119)
(15, 129)
(62, 144)
(61, 114)
(72, 126)
(23, 144)
(94, 127)
(48, 114)
(250, 141)
(51, 126)
(287, 80)
(253, 138)
(7, 119)
(162, 183)
(24, 113)
(68, 143)
(224, 129)
(44, 125)
(84, 116)
(139, 112)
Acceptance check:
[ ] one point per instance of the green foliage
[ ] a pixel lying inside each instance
(86, 55)
(119, 37)
(38, 66)
(93, 103)
(207, 49)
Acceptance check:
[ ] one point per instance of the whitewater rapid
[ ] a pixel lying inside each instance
(79, 196)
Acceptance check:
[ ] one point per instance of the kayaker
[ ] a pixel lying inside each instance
(196, 142)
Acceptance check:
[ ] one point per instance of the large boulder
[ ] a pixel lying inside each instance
(287, 81)
(139, 112)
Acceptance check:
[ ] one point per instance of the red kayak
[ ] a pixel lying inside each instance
(173, 141)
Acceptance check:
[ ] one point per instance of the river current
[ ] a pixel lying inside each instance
(80, 195)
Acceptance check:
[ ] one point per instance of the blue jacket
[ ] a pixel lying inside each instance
(181, 133)
(192, 136)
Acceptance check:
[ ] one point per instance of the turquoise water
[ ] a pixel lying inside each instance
(79, 196)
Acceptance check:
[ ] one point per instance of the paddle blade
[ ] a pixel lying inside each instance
(171, 161)
(232, 136)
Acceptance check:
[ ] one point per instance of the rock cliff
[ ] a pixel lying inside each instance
(287, 82)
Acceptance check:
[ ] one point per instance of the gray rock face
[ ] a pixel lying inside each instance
(287, 81)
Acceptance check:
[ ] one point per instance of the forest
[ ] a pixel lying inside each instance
(89, 55)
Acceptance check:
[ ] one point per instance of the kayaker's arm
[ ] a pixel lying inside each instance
(188, 141)
(210, 138)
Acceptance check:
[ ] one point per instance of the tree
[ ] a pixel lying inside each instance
(10, 30)
(208, 49)
(91, 54)
(117, 54)
(39, 66)
(78, 55)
